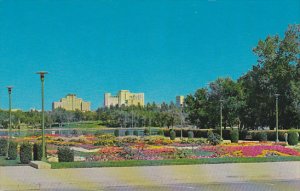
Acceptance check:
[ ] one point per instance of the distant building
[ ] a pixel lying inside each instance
(72, 103)
(179, 101)
(124, 97)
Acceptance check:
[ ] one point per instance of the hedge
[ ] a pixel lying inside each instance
(38, 151)
(25, 153)
(293, 138)
(253, 135)
(3, 147)
(65, 154)
(12, 150)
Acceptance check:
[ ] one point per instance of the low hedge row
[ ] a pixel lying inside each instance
(253, 135)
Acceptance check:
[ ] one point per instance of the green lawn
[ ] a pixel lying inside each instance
(169, 162)
(4, 162)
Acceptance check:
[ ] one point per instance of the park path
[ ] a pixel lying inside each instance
(27, 178)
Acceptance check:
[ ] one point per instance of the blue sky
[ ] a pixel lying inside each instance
(159, 47)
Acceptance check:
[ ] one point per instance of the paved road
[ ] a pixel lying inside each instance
(252, 176)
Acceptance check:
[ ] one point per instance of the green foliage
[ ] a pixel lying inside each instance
(213, 138)
(136, 133)
(117, 132)
(234, 135)
(12, 150)
(106, 140)
(190, 134)
(65, 154)
(260, 136)
(293, 137)
(25, 153)
(200, 141)
(98, 133)
(127, 132)
(129, 139)
(146, 131)
(172, 135)
(3, 147)
(160, 132)
(38, 151)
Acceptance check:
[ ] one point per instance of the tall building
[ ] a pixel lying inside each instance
(179, 101)
(72, 103)
(124, 97)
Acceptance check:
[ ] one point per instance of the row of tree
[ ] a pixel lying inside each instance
(250, 101)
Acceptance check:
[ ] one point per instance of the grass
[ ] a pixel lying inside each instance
(130, 163)
(4, 162)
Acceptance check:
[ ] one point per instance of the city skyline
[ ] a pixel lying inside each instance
(169, 49)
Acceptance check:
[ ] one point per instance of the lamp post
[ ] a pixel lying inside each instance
(42, 76)
(276, 96)
(9, 88)
(181, 120)
(221, 117)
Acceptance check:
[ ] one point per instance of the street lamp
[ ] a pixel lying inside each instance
(221, 117)
(9, 88)
(181, 120)
(42, 76)
(276, 96)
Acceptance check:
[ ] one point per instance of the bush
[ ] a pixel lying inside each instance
(262, 136)
(38, 151)
(65, 154)
(117, 132)
(98, 133)
(190, 134)
(127, 132)
(129, 139)
(106, 140)
(199, 141)
(3, 147)
(234, 136)
(136, 133)
(243, 134)
(25, 153)
(146, 131)
(172, 135)
(160, 132)
(213, 138)
(12, 150)
(293, 137)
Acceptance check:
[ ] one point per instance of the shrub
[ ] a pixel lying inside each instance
(160, 132)
(146, 131)
(199, 141)
(127, 132)
(293, 137)
(172, 135)
(106, 140)
(190, 134)
(65, 154)
(234, 135)
(117, 132)
(12, 150)
(136, 133)
(25, 153)
(129, 139)
(98, 133)
(243, 134)
(213, 138)
(262, 136)
(38, 151)
(3, 147)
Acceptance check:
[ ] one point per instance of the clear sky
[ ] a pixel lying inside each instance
(159, 47)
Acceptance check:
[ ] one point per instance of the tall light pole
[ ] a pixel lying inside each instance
(9, 88)
(42, 76)
(221, 117)
(276, 96)
(181, 120)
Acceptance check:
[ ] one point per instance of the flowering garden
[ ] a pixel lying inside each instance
(110, 148)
